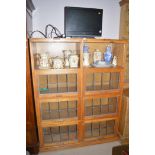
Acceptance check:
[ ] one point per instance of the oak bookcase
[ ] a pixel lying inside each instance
(80, 106)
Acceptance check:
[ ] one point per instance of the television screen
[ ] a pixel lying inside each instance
(82, 22)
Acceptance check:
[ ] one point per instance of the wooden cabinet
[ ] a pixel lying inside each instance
(77, 106)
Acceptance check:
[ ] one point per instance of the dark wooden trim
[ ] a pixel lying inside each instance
(32, 144)
(33, 149)
(30, 5)
(122, 2)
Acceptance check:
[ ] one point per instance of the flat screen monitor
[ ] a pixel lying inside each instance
(82, 22)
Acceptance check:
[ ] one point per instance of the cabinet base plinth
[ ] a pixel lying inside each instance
(77, 144)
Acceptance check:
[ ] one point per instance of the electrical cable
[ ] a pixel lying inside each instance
(46, 28)
(38, 32)
(53, 31)
(53, 28)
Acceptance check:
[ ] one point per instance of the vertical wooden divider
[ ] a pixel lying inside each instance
(81, 102)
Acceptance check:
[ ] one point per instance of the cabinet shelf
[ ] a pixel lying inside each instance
(103, 69)
(101, 118)
(58, 96)
(102, 93)
(57, 71)
(60, 122)
(74, 106)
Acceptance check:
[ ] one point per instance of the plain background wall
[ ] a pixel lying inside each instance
(52, 12)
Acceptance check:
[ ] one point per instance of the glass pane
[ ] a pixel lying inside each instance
(57, 83)
(102, 81)
(59, 110)
(101, 106)
(60, 134)
(100, 129)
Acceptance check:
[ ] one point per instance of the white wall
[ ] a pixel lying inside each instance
(52, 12)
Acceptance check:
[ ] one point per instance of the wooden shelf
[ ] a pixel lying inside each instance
(108, 69)
(101, 118)
(103, 93)
(59, 122)
(50, 98)
(56, 71)
(59, 96)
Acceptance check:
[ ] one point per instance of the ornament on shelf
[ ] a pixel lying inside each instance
(86, 59)
(86, 55)
(58, 63)
(66, 62)
(97, 56)
(44, 61)
(108, 55)
(73, 60)
(67, 54)
(114, 61)
(37, 58)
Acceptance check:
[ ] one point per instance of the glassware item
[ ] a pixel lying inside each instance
(108, 55)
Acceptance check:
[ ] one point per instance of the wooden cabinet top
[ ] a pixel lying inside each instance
(92, 40)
